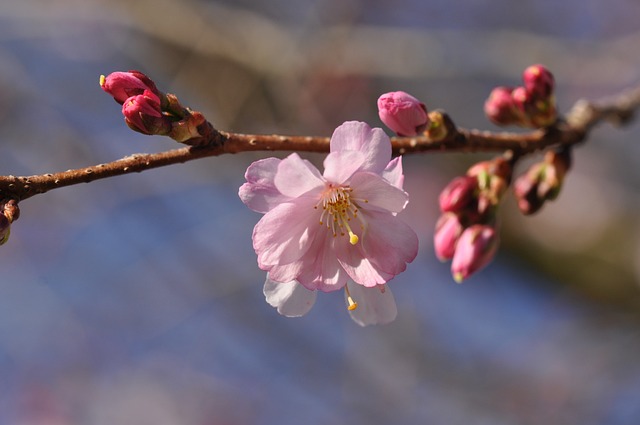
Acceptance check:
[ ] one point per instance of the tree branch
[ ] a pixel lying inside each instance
(572, 130)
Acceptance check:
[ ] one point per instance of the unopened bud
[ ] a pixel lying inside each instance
(538, 81)
(403, 113)
(123, 85)
(542, 181)
(142, 114)
(475, 249)
(532, 105)
(494, 177)
(448, 230)
(458, 193)
(500, 107)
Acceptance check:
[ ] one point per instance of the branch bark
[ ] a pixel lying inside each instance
(572, 130)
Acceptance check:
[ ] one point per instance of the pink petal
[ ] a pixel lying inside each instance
(393, 172)
(287, 272)
(358, 136)
(290, 298)
(283, 234)
(296, 177)
(376, 306)
(371, 190)
(389, 243)
(339, 166)
(358, 266)
(323, 271)
(259, 192)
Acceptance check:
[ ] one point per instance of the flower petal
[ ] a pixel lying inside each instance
(284, 234)
(259, 192)
(393, 172)
(372, 142)
(322, 271)
(376, 306)
(359, 267)
(339, 166)
(295, 176)
(389, 242)
(290, 298)
(377, 192)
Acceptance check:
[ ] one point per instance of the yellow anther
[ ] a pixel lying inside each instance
(103, 79)
(352, 304)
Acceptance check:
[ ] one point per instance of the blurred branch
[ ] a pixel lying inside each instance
(573, 130)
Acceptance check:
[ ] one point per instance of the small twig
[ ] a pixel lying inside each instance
(573, 130)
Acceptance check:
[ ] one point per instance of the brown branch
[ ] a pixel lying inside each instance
(573, 130)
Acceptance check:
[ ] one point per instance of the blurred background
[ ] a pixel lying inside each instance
(137, 299)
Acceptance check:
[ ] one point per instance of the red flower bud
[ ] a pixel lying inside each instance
(123, 85)
(142, 113)
(475, 249)
(403, 113)
(458, 193)
(538, 81)
(448, 230)
(500, 107)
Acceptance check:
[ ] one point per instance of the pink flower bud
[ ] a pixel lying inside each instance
(403, 113)
(123, 85)
(538, 81)
(458, 193)
(142, 113)
(500, 107)
(475, 249)
(448, 230)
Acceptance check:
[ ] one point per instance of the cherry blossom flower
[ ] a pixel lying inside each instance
(321, 231)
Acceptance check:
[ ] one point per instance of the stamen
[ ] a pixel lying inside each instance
(338, 209)
(353, 238)
(352, 304)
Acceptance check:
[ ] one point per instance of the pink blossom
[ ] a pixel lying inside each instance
(403, 113)
(322, 230)
(475, 249)
(123, 85)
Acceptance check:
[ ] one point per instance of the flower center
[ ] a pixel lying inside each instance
(338, 210)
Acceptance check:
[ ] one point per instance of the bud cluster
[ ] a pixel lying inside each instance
(466, 231)
(149, 111)
(542, 181)
(531, 105)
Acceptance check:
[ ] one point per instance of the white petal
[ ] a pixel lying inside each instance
(376, 306)
(290, 298)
